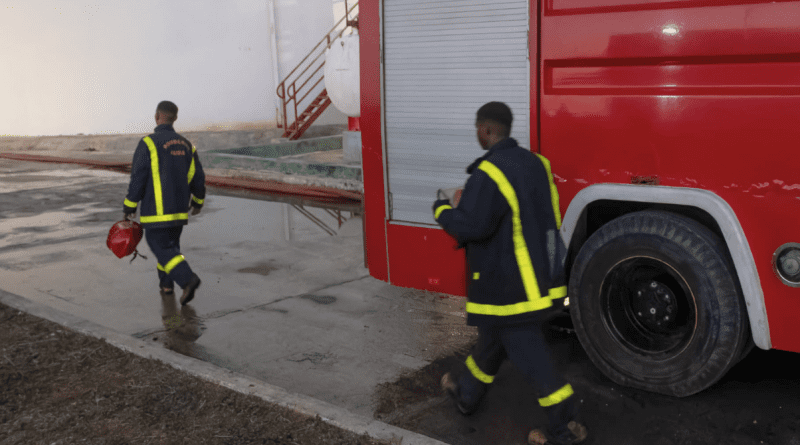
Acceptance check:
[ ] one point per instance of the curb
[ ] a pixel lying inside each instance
(243, 384)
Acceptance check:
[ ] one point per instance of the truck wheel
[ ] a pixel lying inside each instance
(655, 303)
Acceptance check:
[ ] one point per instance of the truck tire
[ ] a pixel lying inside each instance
(656, 304)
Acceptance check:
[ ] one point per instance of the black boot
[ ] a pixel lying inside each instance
(188, 291)
(450, 385)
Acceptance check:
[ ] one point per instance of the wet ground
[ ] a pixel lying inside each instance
(287, 303)
(281, 300)
(758, 402)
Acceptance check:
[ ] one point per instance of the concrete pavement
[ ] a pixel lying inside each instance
(283, 304)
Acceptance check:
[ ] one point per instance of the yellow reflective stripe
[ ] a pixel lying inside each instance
(558, 292)
(476, 275)
(553, 190)
(520, 247)
(191, 167)
(557, 397)
(441, 209)
(517, 308)
(173, 262)
(480, 375)
(129, 203)
(160, 267)
(156, 175)
(163, 218)
(509, 309)
(198, 200)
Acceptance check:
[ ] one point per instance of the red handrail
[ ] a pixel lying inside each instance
(288, 89)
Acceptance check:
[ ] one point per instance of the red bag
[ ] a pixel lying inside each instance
(123, 238)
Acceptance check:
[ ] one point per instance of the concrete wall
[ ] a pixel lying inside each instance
(68, 68)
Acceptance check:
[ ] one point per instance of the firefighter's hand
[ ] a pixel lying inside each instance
(438, 203)
(126, 215)
(195, 210)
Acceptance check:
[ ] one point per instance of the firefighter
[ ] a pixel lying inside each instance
(168, 180)
(508, 219)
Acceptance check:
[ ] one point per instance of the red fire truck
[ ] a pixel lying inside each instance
(672, 129)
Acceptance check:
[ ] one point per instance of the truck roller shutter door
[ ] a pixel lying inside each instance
(442, 61)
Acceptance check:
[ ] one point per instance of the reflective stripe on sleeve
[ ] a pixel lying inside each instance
(535, 300)
(173, 263)
(557, 397)
(476, 275)
(129, 203)
(198, 200)
(476, 371)
(441, 209)
(156, 177)
(160, 267)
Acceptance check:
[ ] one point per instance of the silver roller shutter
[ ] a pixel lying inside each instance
(443, 60)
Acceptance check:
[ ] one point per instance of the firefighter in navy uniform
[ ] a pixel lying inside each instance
(508, 219)
(168, 181)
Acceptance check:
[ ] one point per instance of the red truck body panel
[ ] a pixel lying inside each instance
(696, 94)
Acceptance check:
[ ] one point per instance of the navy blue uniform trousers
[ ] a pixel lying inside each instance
(528, 350)
(165, 243)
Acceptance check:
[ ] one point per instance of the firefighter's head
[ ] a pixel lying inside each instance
(166, 113)
(493, 124)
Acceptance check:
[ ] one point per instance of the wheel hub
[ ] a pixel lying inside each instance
(654, 305)
(647, 306)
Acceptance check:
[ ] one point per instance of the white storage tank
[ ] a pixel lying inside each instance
(342, 75)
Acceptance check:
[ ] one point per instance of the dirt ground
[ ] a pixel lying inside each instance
(58, 387)
(756, 403)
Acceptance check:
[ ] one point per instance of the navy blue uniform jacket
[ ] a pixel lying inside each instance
(509, 219)
(166, 178)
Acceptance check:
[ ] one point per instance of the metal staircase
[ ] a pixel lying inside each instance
(296, 91)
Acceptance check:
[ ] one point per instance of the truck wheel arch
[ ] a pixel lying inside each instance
(573, 230)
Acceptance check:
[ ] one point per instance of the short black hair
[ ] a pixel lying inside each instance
(497, 112)
(169, 109)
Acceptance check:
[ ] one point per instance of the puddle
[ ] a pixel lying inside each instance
(260, 269)
(35, 229)
(62, 178)
(319, 299)
(182, 328)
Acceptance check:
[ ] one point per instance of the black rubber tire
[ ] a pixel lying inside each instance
(656, 305)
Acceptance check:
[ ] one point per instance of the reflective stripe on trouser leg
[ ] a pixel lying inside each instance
(165, 245)
(477, 373)
(163, 278)
(482, 364)
(529, 352)
(560, 408)
(557, 397)
(177, 259)
(486, 356)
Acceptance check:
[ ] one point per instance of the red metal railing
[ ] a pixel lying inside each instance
(304, 80)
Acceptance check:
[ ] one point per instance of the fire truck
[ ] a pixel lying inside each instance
(672, 128)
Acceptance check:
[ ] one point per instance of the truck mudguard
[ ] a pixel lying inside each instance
(711, 203)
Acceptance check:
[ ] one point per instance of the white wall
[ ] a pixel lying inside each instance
(67, 67)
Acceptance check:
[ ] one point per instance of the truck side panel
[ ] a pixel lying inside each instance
(685, 94)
